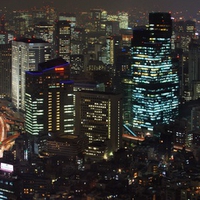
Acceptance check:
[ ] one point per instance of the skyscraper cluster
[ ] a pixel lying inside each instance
(137, 64)
(91, 88)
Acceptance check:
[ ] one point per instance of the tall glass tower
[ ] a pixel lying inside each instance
(155, 79)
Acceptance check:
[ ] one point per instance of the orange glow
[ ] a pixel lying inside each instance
(127, 136)
(58, 69)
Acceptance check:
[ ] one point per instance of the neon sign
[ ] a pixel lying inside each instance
(58, 69)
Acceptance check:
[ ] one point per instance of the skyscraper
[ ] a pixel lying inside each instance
(184, 32)
(78, 40)
(45, 31)
(155, 80)
(194, 69)
(5, 70)
(98, 116)
(63, 39)
(77, 63)
(98, 19)
(49, 99)
(26, 55)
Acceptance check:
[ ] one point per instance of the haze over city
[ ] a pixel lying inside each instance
(189, 8)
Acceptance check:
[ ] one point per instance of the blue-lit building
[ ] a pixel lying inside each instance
(49, 99)
(155, 78)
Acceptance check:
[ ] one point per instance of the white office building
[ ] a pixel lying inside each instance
(26, 55)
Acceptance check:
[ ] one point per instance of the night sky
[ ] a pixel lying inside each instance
(189, 6)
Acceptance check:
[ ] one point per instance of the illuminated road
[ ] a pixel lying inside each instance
(128, 136)
(141, 139)
(6, 142)
(6, 119)
(3, 134)
(3, 129)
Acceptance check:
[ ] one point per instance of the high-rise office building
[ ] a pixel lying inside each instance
(78, 40)
(89, 86)
(5, 70)
(112, 28)
(49, 99)
(26, 55)
(98, 19)
(113, 44)
(184, 32)
(3, 37)
(45, 31)
(124, 83)
(20, 22)
(194, 69)
(63, 39)
(123, 20)
(98, 116)
(71, 17)
(126, 35)
(77, 63)
(195, 118)
(155, 79)
(185, 46)
(39, 15)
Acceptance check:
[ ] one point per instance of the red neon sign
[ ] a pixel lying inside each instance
(58, 69)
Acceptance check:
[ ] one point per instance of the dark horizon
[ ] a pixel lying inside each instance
(110, 5)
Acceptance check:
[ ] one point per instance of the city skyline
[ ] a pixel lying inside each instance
(110, 5)
(95, 105)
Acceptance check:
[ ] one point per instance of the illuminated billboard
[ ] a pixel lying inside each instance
(7, 167)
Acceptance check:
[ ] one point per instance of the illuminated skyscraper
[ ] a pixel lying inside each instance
(98, 19)
(21, 21)
(184, 31)
(155, 79)
(3, 38)
(45, 31)
(123, 20)
(5, 70)
(98, 116)
(112, 28)
(26, 55)
(77, 63)
(112, 47)
(78, 41)
(63, 39)
(70, 17)
(49, 99)
(194, 69)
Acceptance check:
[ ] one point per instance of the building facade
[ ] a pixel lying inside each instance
(155, 79)
(49, 101)
(63, 39)
(5, 68)
(193, 69)
(99, 117)
(26, 55)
